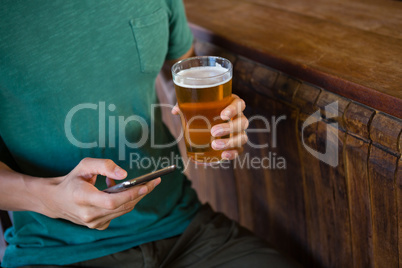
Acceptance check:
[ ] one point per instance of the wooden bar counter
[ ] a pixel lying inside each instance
(293, 59)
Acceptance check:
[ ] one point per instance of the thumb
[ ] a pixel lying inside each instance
(90, 167)
(175, 110)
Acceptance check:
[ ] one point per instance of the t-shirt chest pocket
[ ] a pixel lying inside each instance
(151, 34)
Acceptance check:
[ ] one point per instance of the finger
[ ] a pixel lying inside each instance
(233, 142)
(235, 126)
(236, 107)
(100, 224)
(101, 218)
(175, 110)
(142, 192)
(114, 201)
(93, 217)
(102, 221)
(230, 155)
(104, 226)
(88, 167)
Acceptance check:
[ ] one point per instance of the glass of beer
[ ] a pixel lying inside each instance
(203, 88)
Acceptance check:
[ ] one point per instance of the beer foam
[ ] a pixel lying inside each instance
(193, 77)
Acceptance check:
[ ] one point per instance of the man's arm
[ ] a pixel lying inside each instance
(17, 191)
(188, 54)
(72, 197)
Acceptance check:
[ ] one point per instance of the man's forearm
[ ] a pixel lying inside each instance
(19, 191)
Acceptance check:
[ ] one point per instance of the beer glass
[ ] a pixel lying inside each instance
(203, 88)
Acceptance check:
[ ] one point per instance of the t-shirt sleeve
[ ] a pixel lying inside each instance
(180, 36)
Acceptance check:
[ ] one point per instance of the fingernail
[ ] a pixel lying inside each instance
(218, 144)
(226, 155)
(156, 182)
(216, 131)
(143, 190)
(226, 113)
(120, 172)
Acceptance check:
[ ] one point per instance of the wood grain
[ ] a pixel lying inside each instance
(357, 119)
(400, 143)
(356, 155)
(242, 73)
(356, 14)
(251, 186)
(286, 87)
(398, 181)
(306, 97)
(263, 80)
(329, 53)
(332, 185)
(325, 102)
(246, 194)
(284, 183)
(385, 130)
(382, 168)
(334, 197)
(318, 246)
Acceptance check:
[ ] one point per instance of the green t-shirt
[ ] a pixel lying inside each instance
(77, 80)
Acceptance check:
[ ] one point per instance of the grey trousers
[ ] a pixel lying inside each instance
(211, 240)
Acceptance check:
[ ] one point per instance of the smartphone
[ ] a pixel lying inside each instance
(140, 180)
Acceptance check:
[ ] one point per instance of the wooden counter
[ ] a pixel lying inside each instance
(293, 58)
(351, 48)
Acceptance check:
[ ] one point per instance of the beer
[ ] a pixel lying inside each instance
(203, 92)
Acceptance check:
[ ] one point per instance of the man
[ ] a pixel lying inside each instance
(76, 90)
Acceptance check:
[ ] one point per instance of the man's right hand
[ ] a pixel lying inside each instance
(75, 198)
